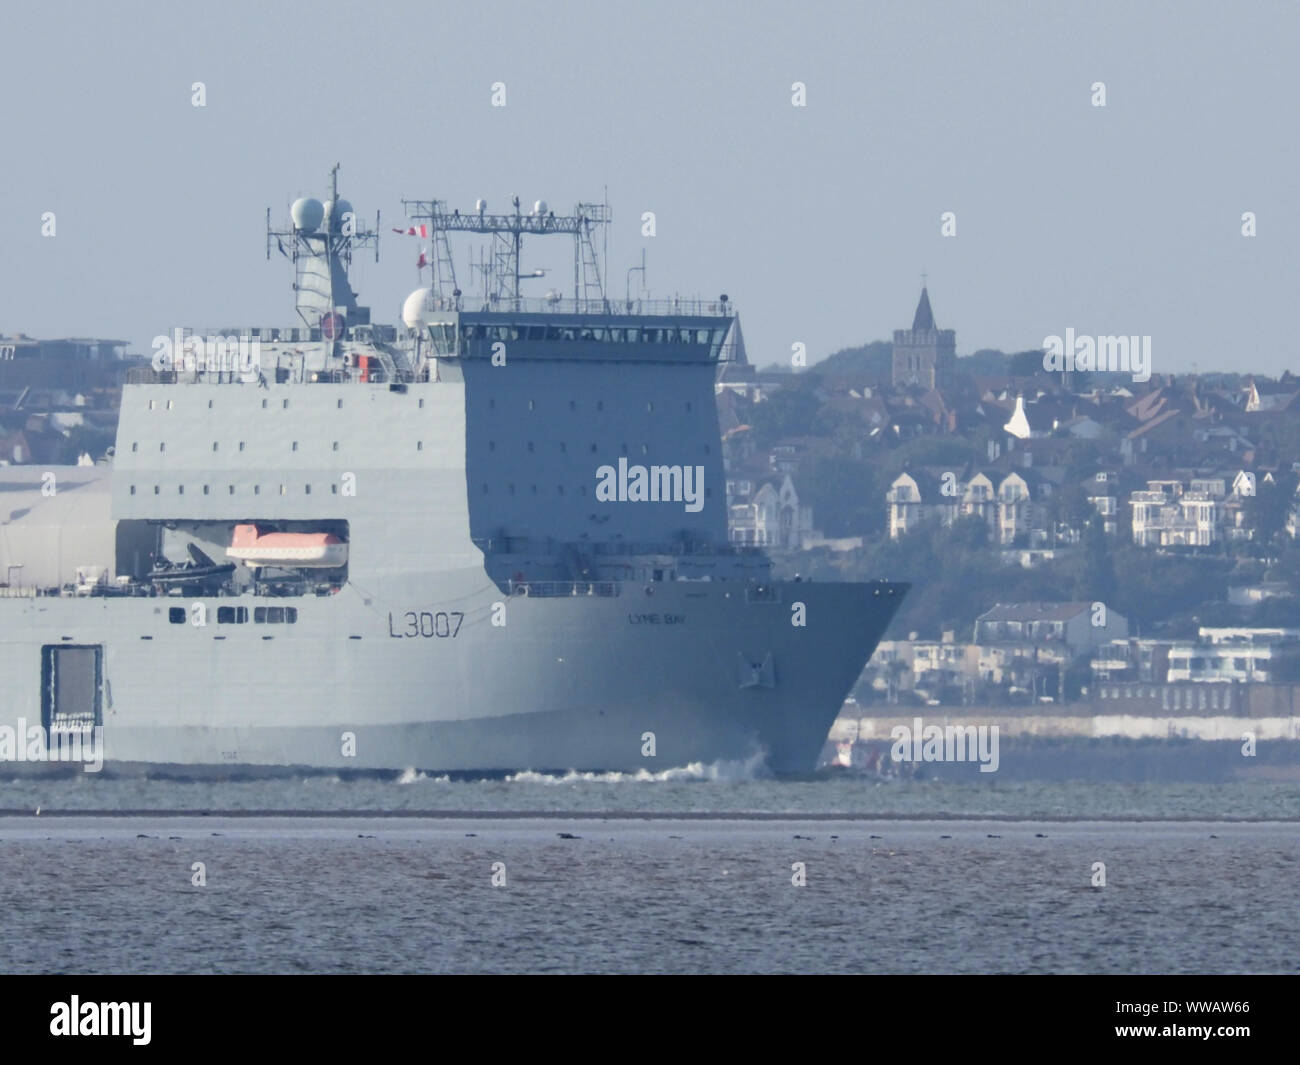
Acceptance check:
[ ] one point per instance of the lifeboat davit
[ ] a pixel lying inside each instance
(315, 550)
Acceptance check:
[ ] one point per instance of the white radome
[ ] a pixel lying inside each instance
(414, 307)
(307, 214)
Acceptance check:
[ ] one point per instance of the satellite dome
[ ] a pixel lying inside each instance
(307, 214)
(414, 306)
(480, 205)
(539, 208)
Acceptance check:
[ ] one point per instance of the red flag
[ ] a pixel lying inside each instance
(423, 261)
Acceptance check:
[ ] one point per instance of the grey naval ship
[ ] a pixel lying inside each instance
(490, 539)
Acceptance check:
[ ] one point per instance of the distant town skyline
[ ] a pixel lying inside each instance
(808, 163)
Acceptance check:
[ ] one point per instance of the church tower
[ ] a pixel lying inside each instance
(924, 355)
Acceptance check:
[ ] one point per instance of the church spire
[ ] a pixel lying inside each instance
(924, 318)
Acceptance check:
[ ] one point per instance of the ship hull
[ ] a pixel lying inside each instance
(652, 677)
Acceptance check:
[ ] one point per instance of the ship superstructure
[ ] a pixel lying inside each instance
(492, 538)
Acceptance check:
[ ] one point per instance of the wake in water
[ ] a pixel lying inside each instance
(752, 768)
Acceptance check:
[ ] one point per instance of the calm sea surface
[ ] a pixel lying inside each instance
(912, 876)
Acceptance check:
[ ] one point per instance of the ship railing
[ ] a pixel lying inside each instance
(510, 545)
(691, 308)
(146, 375)
(20, 592)
(557, 589)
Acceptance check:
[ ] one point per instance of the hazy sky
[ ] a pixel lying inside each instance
(817, 221)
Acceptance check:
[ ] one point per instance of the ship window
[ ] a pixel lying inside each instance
(334, 489)
(176, 615)
(534, 489)
(600, 404)
(291, 615)
(419, 445)
(583, 490)
(593, 449)
(706, 449)
(422, 404)
(530, 445)
(232, 615)
(209, 404)
(340, 404)
(169, 404)
(264, 404)
(295, 445)
(282, 490)
(688, 406)
(573, 404)
(561, 489)
(214, 445)
(650, 408)
(155, 489)
(284, 405)
(257, 489)
(492, 404)
(306, 489)
(205, 489)
(135, 445)
(180, 489)
(232, 489)
(241, 445)
(336, 445)
(492, 445)
(563, 447)
(485, 488)
(644, 450)
(133, 489)
(531, 405)
(162, 446)
(153, 403)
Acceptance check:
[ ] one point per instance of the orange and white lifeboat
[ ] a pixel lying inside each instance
(314, 550)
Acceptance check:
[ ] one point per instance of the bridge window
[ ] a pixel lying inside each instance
(232, 615)
(176, 615)
(275, 615)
